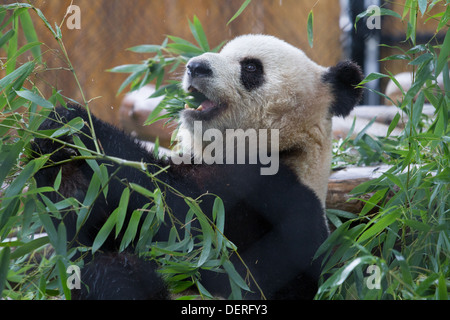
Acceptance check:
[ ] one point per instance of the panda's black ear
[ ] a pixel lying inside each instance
(343, 78)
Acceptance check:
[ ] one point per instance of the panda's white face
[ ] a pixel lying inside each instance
(258, 82)
(261, 82)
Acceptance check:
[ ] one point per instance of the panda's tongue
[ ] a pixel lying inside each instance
(206, 105)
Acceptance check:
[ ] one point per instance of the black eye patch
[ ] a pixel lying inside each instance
(252, 73)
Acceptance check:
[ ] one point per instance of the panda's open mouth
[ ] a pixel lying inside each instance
(201, 103)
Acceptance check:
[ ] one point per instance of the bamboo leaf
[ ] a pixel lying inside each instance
(28, 247)
(128, 68)
(25, 48)
(404, 267)
(61, 242)
(310, 28)
(444, 53)
(423, 4)
(146, 48)
(24, 70)
(122, 210)
(73, 126)
(234, 275)
(240, 10)
(342, 274)
(199, 34)
(206, 230)
(4, 267)
(131, 230)
(104, 232)
(31, 96)
(30, 35)
(373, 76)
(5, 38)
(145, 192)
(379, 225)
(62, 272)
(442, 287)
(393, 124)
(57, 182)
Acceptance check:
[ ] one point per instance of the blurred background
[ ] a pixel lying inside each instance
(109, 27)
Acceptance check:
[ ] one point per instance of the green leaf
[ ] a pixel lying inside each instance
(219, 218)
(373, 201)
(73, 126)
(25, 48)
(49, 227)
(131, 230)
(342, 274)
(404, 267)
(234, 275)
(122, 210)
(444, 19)
(444, 53)
(8, 35)
(24, 70)
(424, 58)
(202, 290)
(57, 182)
(206, 230)
(393, 124)
(373, 76)
(61, 245)
(104, 232)
(185, 48)
(199, 34)
(145, 192)
(423, 4)
(310, 27)
(238, 13)
(146, 48)
(19, 182)
(160, 209)
(30, 35)
(417, 225)
(396, 180)
(379, 225)
(132, 77)
(62, 272)
(28, 247)
(31, 96)
(442, 287)
(91, 194)
(12, 46)
(128, 68)
(4, 267)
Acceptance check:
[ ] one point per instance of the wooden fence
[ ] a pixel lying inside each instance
(109, 27)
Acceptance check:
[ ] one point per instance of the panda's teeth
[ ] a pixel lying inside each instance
(200, 108)
(186, 106)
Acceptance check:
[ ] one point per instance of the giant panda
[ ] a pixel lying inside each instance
(275, 220)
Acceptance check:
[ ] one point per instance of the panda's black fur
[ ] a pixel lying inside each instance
(275, 221)
(344, 77)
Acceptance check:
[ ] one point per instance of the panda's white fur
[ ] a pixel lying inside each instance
(293, 98)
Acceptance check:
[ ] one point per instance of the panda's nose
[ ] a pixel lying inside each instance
(199, 69)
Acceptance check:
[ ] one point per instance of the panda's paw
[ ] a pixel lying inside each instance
(59, 148)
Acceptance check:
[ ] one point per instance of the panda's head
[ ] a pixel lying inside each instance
(261, 82)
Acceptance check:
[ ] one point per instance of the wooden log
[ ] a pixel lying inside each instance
(342, 182)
